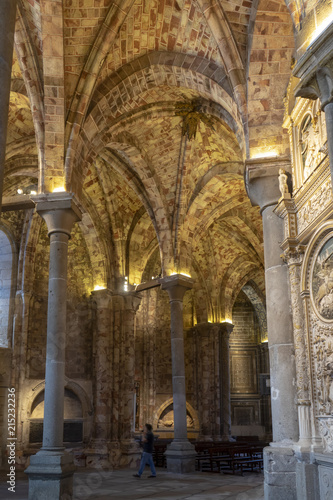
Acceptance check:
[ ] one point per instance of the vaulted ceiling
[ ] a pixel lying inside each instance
(146, 110)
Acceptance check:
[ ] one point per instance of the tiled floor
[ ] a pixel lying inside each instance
(121, 485)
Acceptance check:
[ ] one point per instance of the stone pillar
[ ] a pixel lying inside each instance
(306, 471)
(180, 453)
(262, 185)
(315, 71)
(98, 450)
(266, 416)
(125, 306)
(51, 469)
(7, 28)
(208, 365)
(225, 331)
(5, 363)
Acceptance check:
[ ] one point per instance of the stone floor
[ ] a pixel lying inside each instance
(121, 485)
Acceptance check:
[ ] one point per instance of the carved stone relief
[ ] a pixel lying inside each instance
(326, 430)
(320, 306)
(322, 281)
(310, 144)
(301, 348)
(166, 420)
(326, 482)
(315, 206)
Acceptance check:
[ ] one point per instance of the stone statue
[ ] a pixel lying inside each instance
(283, 180)
(310, 145)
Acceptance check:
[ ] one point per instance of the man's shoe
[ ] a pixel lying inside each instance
(136, 475)
(151, 476)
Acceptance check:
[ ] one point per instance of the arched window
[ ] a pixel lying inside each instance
(6, 288)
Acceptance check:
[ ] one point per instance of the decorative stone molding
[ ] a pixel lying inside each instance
(319, 84)
(59, 210)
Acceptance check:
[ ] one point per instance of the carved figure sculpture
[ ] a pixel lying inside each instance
(283, 179)
(310, 145)
(168, 420)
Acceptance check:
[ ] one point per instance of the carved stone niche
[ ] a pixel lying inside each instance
(164, 418)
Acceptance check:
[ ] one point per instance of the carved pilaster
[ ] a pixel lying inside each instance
(287, 210)
(294, 258)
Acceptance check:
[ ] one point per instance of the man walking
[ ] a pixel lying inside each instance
(147, 454)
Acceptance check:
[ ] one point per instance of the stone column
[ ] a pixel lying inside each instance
(7, 28)
(180, 453)
(125, 306)
(279, 461)
(98, 452)
(51, 469)
(225, 331)
(315, 71)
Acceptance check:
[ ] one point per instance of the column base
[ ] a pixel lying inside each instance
(130, 454)
(280, 472)
(97, 455)
(50, 476)
(180, 456)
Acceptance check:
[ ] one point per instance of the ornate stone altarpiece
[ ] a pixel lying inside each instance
(308, 250)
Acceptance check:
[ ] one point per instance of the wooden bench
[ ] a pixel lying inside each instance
(229, 458)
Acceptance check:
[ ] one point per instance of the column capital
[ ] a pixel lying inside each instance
(176, 286)
(314, 69)
(102, 297)
(293, 254)
(262, 180)
(59, 210)
(206, 329)
(130, 300)
(226, 328)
